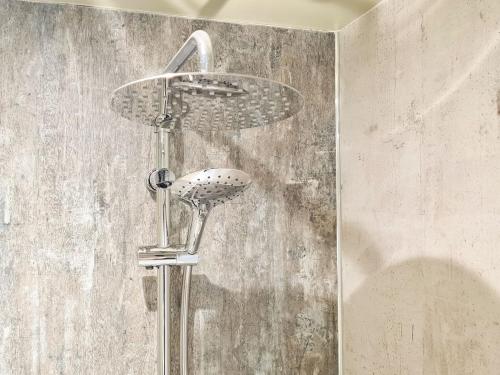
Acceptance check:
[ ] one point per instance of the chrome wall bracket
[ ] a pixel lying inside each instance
(160, 178)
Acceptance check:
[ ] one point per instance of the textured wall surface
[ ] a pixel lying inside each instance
(72, 299)
(420, 173)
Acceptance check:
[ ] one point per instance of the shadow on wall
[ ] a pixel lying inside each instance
(213, 310)
(422, 316)
(299, 200)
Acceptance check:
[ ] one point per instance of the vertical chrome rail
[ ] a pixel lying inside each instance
(186, 286)
(163, 320)
(198, 41)
(163, 205)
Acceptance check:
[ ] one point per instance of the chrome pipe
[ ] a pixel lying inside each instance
(163, 195)
(198, 41)
(163, 359)
(186, 287)
(163, 205)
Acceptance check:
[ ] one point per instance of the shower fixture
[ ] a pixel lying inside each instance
(203, 101)
(206, 101)
(204, 190)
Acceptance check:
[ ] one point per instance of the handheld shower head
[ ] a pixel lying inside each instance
(211, 186)
(203, 190)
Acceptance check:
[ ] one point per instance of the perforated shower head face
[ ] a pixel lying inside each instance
(207, 101)
(211, 186)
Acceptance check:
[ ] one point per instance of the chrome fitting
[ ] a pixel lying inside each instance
(171, 256)
(159, 179)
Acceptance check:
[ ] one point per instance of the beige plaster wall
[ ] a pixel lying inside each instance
(420, 175)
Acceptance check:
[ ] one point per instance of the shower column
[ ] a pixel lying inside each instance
(198, 41)
(163, 207)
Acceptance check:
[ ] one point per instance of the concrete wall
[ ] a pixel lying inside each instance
(420, 174)
(72, 298)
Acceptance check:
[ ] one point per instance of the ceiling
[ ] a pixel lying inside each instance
(326, 15)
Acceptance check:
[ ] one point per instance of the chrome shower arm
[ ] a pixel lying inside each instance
(197, 41)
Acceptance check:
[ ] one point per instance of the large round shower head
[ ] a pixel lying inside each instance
(211, 186)
(206, 101)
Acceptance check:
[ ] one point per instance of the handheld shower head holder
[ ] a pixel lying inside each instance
(160, 178)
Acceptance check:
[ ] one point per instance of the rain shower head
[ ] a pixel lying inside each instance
(206, 101)
(204, 190)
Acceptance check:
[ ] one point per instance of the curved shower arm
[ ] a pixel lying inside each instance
(198, 41)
